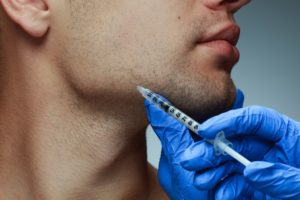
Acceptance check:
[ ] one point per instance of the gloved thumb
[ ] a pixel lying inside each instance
(173, 135)
(274, 179)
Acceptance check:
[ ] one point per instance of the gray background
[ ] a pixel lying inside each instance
(268, 71)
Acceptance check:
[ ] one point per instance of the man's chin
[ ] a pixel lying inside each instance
(204, 107)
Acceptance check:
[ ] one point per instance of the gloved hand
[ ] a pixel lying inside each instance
(261, 135)
(175, 138)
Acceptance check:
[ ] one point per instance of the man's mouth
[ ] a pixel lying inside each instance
(223, 42)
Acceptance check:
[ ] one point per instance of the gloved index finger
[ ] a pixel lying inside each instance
(254, 120)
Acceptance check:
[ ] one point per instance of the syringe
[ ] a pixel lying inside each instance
(221, 145)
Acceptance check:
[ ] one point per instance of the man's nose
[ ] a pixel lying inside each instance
(230, 5)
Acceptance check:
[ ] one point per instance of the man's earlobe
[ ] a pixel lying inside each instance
(32, 15)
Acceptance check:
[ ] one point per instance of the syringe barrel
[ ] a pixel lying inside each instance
(175, 112)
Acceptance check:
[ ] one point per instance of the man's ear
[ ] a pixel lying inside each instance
(31, 15)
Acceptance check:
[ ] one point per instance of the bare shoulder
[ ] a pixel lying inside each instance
(155, 190)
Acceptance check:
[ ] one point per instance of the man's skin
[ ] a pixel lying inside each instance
(72, 125)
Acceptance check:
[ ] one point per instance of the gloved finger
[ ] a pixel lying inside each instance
(235, 188)
(201, 155)
(254, 120)
(239, 99)
(192, 193)
(208, 179)
(177, 182)
(173, 135)
(275, 179)
(165, 175)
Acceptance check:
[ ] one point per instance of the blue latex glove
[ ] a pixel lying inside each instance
(175, 138)
(258, 133)
(276, 179)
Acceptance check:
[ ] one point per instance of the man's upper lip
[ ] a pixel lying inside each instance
(230, 33)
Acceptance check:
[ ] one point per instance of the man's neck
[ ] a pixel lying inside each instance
(54, 145)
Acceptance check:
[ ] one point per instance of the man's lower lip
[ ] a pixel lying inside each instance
(224, 49)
